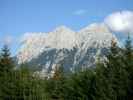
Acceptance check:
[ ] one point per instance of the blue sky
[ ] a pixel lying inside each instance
(20, 16)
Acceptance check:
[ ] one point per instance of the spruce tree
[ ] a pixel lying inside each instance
(116, 73)
(128, 48)
(58, 81)
(103, 86)
(6, 61)
(6, 73)
(128, 60)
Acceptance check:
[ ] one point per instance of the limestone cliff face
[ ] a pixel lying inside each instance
(63, 45)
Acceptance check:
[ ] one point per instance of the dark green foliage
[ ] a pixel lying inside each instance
(128, 60)
(110, 80)
(103, 87)
(55, 86)
(81, 86)
(117, 75)
(6, 62)
(6, 67)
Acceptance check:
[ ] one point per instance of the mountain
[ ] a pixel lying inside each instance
(64, 46)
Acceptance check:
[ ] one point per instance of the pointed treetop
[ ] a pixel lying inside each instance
(113, 42)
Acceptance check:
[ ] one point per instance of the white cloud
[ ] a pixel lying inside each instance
(7, 39)
(80, 12)
(120, 21)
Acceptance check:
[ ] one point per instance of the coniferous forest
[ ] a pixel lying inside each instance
(111, 79)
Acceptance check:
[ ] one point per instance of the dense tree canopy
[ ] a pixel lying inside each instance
(111, 79)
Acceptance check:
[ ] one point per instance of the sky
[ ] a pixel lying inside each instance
(20, 16)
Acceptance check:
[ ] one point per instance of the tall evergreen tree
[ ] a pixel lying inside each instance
(57, 83)
(128, 59)
(116, 73)
(128, 48)
(103, 86)
(6, 68)
(6, 62)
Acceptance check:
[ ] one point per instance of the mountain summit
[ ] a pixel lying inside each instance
(63, 45)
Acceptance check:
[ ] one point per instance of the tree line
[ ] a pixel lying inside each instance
(111, 79)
